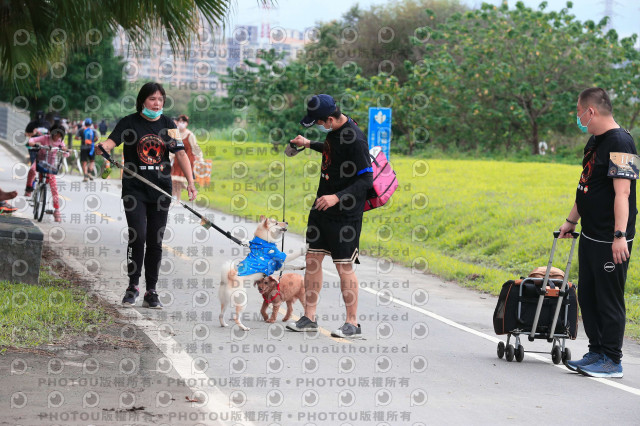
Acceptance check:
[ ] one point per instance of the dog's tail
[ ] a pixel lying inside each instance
(225, 272)
(229, 274)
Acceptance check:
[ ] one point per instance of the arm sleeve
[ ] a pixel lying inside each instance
(364, 173)
(623, 145)
(363, 183)
(195, 148)
(316, 146)
(116, 134)
(172, 137)
(38, 140)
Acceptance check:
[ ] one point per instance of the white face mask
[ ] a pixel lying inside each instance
(182, 126)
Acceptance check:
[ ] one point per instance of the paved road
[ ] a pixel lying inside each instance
(429, 353)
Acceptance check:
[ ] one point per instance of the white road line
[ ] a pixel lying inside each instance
(494, 339)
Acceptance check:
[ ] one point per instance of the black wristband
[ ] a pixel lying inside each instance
(571, 222)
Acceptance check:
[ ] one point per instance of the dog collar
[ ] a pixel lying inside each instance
(274, 297)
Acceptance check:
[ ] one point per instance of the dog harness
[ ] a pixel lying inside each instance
(274, 297)
(264, 258)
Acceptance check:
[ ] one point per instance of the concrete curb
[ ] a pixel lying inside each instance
(20, 154)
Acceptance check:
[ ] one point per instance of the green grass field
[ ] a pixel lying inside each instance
(32, 315)
(478, 223)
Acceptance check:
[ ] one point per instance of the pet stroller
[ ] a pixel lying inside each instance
(541, 307)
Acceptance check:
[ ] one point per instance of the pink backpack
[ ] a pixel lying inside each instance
(384, 180)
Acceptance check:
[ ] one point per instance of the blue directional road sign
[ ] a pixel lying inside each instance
(380, 129)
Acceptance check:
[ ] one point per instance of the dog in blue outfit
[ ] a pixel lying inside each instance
(264, 259)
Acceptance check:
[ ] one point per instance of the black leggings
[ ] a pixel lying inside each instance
(147, 222)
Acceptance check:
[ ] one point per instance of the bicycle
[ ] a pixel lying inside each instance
(48, 163)
(75, 163)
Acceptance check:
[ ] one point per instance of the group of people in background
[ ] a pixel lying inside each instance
(50, 131)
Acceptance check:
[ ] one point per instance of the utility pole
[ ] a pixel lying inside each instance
(608, 11)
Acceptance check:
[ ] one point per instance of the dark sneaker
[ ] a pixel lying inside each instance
(303, 324)
(130, 297)
(588, 358)
(151, 300)
(348, 331)
(604, 368)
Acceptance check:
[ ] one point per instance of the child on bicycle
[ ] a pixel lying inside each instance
(54, 139)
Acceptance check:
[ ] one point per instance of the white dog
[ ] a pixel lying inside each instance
(264, 259)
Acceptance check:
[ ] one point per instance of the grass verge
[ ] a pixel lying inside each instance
(51, 312)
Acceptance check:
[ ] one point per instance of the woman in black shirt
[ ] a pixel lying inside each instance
(148, 137)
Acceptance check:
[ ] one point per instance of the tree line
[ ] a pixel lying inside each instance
(493, 78)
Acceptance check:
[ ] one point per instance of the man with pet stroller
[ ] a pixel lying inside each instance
(605, 204)
(335, 220)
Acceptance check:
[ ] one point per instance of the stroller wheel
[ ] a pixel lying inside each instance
(510, 352)
(556, 354)
(519, 353)
(566, 355)
(500, 350)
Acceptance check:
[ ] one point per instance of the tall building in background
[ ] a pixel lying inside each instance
(208, 57)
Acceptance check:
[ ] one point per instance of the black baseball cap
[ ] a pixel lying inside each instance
(319, 107)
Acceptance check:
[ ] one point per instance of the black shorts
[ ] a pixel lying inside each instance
(338, 238)
(84, 154)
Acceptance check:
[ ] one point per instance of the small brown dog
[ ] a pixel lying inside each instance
(290, 289)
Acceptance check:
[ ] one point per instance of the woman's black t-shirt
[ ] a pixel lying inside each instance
(595, 194)
(147, 145)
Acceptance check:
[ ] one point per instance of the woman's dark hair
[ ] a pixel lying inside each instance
(184, 118)
(147, 90)
(57, 130)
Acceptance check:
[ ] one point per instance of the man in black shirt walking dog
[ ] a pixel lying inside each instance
(335, 220)
(605, 204)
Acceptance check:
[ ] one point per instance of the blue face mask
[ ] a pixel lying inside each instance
(580, 125)
(324, 129)
(151, 114)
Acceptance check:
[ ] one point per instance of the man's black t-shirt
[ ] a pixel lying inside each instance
(147, 145)
(346, 171)
(595, 194)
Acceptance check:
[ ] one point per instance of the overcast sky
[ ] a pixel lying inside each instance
(301, 14)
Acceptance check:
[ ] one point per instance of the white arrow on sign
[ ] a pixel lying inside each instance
(380, 117)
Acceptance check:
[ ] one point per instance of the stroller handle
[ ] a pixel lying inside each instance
(574, 234)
